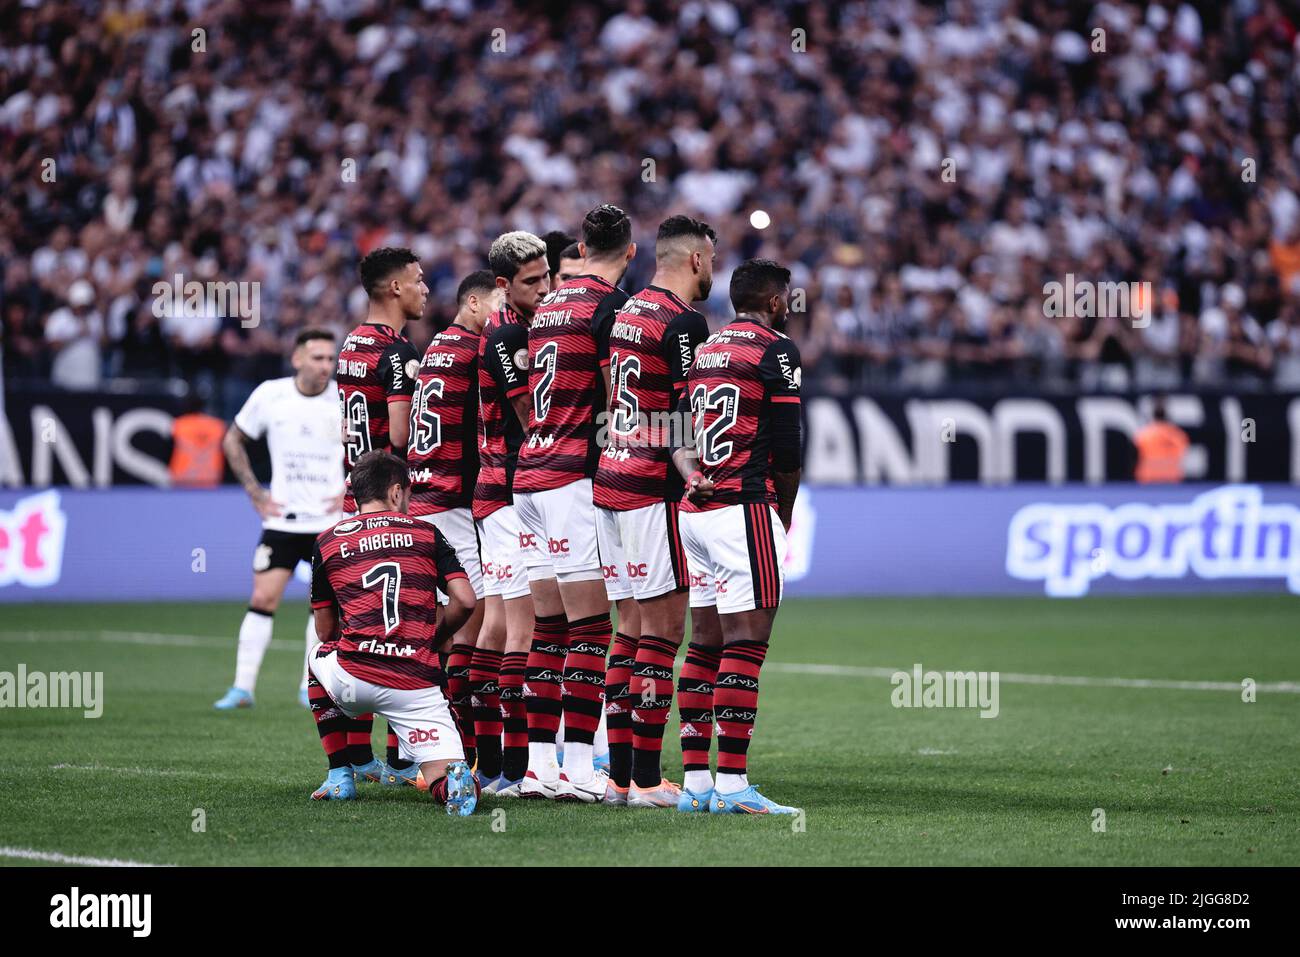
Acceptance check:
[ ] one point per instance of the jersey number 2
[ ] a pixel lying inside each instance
(545, 362)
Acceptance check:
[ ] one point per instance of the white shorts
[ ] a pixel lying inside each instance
(502, 542)
(613, 563)
(736, 554)
(648, 548)
(562, 523)
(457, 526)
(420, 717)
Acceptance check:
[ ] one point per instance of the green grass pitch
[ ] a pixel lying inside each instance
(1183, 776)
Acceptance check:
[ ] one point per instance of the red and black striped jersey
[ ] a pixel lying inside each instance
(740, 374)
(567, 338)
(380, 571)
(376, 366)
(443, 450)
(502, 375)
(652, 342)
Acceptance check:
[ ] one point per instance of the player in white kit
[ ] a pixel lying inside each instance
(302, 420)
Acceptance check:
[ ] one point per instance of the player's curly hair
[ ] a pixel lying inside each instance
(755, 282)
(605, 230)
(511, 251)
(380, 264)
(375, 473)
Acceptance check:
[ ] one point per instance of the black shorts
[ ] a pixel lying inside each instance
(283, 550)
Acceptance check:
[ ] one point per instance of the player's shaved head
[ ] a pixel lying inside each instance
(381, 265)
(681, 236)
(481, 282)
(375, 473)
(511, 251)
(684, 256)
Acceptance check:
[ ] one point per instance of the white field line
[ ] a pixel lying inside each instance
(141, 638)
(52, 857)
(145, 772)
(1007, 677)
(843, 671)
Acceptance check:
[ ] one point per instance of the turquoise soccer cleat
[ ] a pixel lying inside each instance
(391, 777)
(462, 790)
(372, 773)
(601, 762)
(233, 699)
(748, 801)
(694, 801)
(339, 786)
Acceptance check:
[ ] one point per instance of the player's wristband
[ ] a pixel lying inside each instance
(696, 476)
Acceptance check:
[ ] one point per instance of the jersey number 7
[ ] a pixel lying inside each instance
(387, 577)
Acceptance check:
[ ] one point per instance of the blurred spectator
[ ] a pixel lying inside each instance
(197, 460)
(1161, 447)
(75, 334)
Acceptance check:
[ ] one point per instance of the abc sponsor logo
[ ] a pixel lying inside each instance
(423, 736)
(559, 546)
(527, 540)
(636, 570)
(609, 571)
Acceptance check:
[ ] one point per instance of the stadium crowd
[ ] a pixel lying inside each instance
(927, 167)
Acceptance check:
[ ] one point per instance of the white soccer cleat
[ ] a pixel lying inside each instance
(507, 789)
(590, 791)
(664, 794)
(537, 789)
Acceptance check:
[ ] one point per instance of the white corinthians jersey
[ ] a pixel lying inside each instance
(304, 434)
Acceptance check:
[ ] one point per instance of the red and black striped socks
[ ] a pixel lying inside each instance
(651, 694)
(485, 700)
(695, 709)
(359, 730)
(735, 706)
(514, 712)
(618, 708)
(457, 671)
(331, 724)
(584, 691)
(543, 675)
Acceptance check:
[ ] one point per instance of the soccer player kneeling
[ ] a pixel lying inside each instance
(373, 596)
